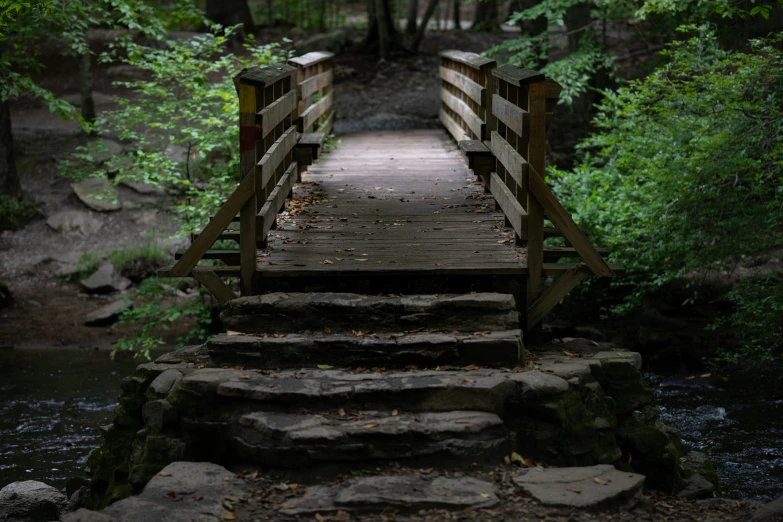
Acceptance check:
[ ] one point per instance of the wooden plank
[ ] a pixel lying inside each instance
(215, 285)
(327, 124)
(315, 83)
(475, 91)
(263, 76)
(268, 213)
(517, 75)
(230, 256)
(512, 208)
(470, 118)
(536, 152)
(275, 156)
(512, 161)
(457, 132)
(474, 148)
(473, 60)
(510, 115)
(310, 59)
(220, 271)
(277, 111)
(565, 224)
(315, 111)
(552, 254)
(247, 244)
(215, 227)
(549, 299)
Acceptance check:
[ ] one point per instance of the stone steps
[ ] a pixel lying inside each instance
(396, 350)
(345, 313)
(293, 440)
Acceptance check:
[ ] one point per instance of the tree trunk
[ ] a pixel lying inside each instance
(381, 34)
(232, 12)
(9, 178)
(528, 27)
(85, 88)
(423, 27)
(413, 16)
(577, 17)
(457, 17)
(486, 16)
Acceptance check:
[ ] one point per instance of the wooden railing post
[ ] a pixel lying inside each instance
(315, 92)
(466, 88)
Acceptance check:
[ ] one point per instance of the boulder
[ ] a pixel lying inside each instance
(399, 493)
(105, 280)
(164, 382)
(107, 315)
(144, 188)
(74, 221)
(769, 512)
(30, 501)
(98, 194)
(696, 487)
(593, 487)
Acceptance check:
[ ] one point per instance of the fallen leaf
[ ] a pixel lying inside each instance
(244, 377)
(577, 491)
(293, 486)
(369, 426)
(341, 412)
(395, 413)
(516, 457)
(690, 377)
(326, 262)
(229, 516)
(600, 481)
(486, 495)
(164, 474)
(325, 367)
(705, 375)
(507, 460)
(228, 505)
(171, 494)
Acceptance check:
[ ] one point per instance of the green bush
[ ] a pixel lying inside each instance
(15, 212)
(685, 175)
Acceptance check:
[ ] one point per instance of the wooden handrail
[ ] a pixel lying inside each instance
(315, 73)
(466, 87)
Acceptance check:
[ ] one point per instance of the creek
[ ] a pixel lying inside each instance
(52, 404)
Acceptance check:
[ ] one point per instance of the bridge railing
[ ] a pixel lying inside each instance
(466, 86)
(268, 112)
(315, 76)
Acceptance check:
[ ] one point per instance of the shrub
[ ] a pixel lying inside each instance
(685, 175)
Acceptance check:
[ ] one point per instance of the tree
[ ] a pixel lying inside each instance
(485, 18)
(413, 17)
(231, 12)
(382, 36)
(431, 5)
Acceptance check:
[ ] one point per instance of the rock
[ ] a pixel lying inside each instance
(652, 453)
(697, 462)
(74, 221)
(184, 481)
(102, 150)
(158, 413)
(98, 194)
(334, 41)
(107, 315)
(593, 487)
(164, 382)
(84, 515)
(397, 493)
(105, 280)
(300, 440)
(144, 188)
(30, 501)
(769, 512)
(696, 487)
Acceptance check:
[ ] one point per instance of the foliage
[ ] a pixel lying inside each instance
(14, 212)
(86, 265)
(155, 310)
(685, 176)
(181, 122)
(147, 252)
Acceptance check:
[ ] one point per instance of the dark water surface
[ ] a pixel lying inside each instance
(52, 404)
(738, 422)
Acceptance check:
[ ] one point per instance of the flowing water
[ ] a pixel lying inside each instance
(52, 404)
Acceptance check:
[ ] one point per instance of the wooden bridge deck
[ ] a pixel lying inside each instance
(392, 203)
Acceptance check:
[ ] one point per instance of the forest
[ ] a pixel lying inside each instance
(615, 166)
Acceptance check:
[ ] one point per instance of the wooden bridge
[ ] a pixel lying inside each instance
(396, 212)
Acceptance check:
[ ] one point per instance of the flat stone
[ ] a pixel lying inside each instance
(539, 384)
(74, 222)
(30, 501)
(103, 149)
(400, 493)
(382, 350)
(620, 358)
(85, 515)
(296, 440)
(107, 315)
(105, 280)
(770, 511)
(144, 188)
(98, 194)
(158, 413)
(188, 481)
(593, 487)
(164, 382)
(486, 300)
(696, 487)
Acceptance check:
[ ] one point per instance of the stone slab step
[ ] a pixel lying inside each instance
(342, 312)
(503, 348)
(398, 493)
(296, 440)
(592, 487)
(427, 391)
